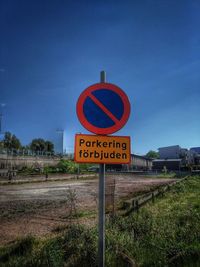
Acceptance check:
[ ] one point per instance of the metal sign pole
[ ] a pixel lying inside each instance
(101, 241)
(91, 114)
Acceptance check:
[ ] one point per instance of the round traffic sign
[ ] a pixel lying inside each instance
(103, 108)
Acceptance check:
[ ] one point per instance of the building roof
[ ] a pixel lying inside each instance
(141, 157)
(174, 146)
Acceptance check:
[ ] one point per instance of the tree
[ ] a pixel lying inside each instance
(11, 142)
(49, 146)
(1, 145)
(40, 146)
(7, 141)
(1, 141)
(152, 154)
(37, 145)
(25, 150)
(15, 143)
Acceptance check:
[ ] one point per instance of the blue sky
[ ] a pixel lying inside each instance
(50, 51)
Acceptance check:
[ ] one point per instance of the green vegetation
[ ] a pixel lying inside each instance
(169, 175)
(12, 145)
(152, 154)
(11, 142)
(68, 166)
(40, 146)
(63, 166)
(77, 247)
(163, 233)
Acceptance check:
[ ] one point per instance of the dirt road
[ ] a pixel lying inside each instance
(37, 208)
(43, 191)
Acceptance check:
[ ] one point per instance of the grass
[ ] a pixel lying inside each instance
(164, 233)
(161, 234)
(167, 175)
(76, 247)
(81, 214)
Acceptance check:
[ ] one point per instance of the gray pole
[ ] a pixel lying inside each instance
(101, 242)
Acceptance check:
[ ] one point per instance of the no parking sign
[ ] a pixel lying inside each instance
(103, 108)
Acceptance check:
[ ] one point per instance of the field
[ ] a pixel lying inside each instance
(163, 233)
(38, 208)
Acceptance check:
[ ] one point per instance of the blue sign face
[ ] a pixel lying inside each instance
(103, 108)
(98, 117)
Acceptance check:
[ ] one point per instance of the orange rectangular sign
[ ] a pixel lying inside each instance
(102, 149)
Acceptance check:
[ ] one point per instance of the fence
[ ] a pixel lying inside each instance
(135, 203)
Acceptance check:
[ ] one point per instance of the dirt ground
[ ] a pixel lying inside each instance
(39, 208)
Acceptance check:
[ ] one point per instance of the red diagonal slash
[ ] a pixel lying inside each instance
(101, 106)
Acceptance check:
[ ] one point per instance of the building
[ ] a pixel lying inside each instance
(195, 149)
(171, 152)
(177, 158)
(140, 163)
(168, 164)
(170, 158)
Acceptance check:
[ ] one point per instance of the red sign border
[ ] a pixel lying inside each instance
(100, 162)
(89, 126)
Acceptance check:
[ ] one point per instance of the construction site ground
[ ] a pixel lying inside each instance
(39, 208)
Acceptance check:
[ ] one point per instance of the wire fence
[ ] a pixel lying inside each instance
(110, 195)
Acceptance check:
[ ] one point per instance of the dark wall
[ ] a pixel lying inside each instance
(170, 165)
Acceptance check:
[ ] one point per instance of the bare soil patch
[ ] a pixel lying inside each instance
(39, 208)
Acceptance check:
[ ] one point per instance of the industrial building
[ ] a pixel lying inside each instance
(140, 163)
(177, 158)
(169, 164)
(195, 149)
(171, 152)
